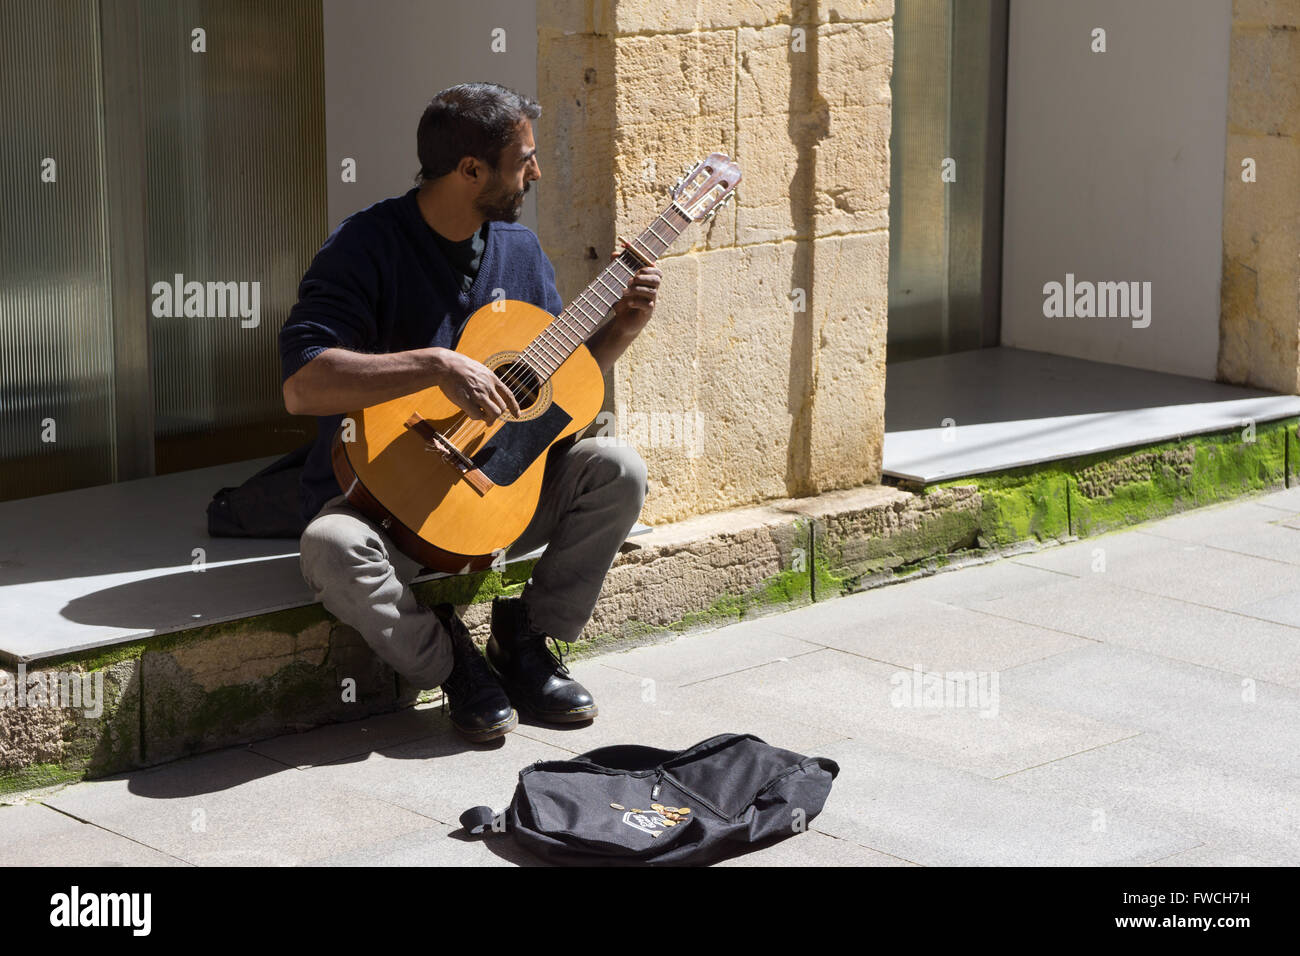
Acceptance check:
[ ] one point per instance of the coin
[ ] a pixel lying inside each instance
(684, 810)
(657, 806)
(618, 806)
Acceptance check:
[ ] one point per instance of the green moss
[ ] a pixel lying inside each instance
(1112, 491)
(844, 556)
(476, 588)
(827, 582)
(788, 587)
(36, 775)
(1093, 493)
(292, 621)
(1019, 503)
(91, 661)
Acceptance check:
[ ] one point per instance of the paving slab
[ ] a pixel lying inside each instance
(960, 587)
(446, 846)
(969, 585)
(1188, 572)
(697, 657)
(1093, 607)
(1282, 608)
(1208, 856)
(1212, 717)
(236, 808)
(36, 835)
(436, 845)
(936, 815)
(1273, 540)
(936, 636)
(1216, 524)
(876, 703)
(639, 709)
(1287, 499)
(814, 848)
(438, 777)
(355, 738)
(1247, 813)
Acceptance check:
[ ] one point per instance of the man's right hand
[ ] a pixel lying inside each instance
(473, 387)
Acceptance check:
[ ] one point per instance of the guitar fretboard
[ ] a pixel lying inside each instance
(589, 309)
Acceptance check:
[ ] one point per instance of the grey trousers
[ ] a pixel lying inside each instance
(592, 492)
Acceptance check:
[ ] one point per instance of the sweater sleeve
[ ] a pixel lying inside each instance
(337, 300)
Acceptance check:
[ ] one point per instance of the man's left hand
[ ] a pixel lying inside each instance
(636, 306)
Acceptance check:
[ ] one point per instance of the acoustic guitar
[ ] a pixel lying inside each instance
(454, 492)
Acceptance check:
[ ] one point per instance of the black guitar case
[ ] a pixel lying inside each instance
(267, 505)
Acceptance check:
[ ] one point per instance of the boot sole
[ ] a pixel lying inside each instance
(489, 733)
(580, 716)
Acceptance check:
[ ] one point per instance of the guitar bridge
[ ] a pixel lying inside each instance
(450, 453)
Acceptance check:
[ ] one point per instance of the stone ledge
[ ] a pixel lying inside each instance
(214, 686)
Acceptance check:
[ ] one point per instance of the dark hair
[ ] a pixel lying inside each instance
(471, 119)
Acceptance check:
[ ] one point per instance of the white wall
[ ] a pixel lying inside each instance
(1114, 171)
(384, 61)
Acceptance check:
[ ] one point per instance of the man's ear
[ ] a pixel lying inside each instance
(469, 167)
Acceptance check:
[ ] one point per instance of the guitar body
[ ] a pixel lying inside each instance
(448, 518)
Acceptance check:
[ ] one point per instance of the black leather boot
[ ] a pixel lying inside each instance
(535, 677)
(479, 709)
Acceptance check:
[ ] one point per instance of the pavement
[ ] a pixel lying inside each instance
(1131, 699)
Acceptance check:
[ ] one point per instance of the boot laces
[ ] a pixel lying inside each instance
(534, 645)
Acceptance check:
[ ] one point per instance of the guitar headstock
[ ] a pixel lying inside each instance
(707, 186)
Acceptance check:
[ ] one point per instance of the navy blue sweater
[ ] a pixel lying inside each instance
(381, 284)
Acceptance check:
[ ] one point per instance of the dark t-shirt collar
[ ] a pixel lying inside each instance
(441, 249)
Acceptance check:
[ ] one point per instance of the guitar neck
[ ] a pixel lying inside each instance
(590, 307)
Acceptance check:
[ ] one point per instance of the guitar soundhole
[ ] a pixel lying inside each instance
(522, 381)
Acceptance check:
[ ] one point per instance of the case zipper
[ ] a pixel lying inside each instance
(659, 782)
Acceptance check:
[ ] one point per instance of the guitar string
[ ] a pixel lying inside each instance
(519, 371)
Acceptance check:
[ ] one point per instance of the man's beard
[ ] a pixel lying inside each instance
(502, 205)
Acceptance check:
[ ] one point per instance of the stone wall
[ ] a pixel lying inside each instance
(762, 373)
(1259, 331)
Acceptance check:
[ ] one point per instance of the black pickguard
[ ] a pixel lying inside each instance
(516, 445)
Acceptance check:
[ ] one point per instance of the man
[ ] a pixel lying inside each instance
(379, 312)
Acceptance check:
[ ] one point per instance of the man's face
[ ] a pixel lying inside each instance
(502, 197)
